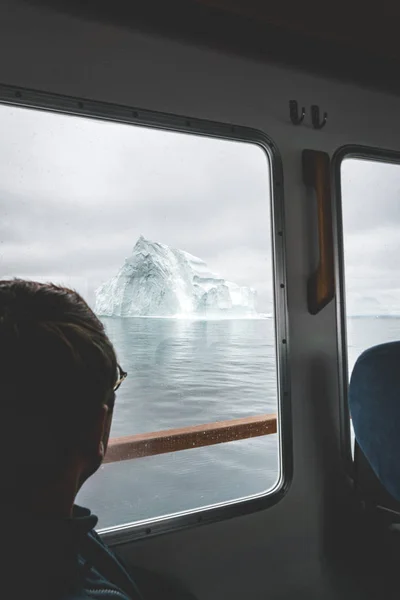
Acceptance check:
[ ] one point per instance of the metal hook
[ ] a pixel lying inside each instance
(315, 117)
(294, 112)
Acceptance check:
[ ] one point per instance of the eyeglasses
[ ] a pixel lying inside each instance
(121, 376)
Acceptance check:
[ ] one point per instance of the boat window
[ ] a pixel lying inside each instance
(370, 191)
(168, 236)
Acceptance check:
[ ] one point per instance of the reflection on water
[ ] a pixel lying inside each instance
(192, 372)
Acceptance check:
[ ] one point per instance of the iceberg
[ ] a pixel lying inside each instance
(159, 281)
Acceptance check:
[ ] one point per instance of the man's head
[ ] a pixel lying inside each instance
(58, 371)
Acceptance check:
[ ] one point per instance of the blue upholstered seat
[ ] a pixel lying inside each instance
(374, 398)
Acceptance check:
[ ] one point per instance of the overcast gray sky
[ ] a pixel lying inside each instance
(371, 219)
(76, 194)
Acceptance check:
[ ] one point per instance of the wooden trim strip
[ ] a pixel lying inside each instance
(184, 438)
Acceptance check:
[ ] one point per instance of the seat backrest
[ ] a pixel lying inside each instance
(374, 400)
(369, 489)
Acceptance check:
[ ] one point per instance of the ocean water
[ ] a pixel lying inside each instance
(181, 373)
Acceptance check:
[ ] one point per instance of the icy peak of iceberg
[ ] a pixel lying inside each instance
(157, 280)
(143, 244)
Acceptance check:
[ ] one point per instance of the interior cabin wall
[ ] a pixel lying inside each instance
(278, 552)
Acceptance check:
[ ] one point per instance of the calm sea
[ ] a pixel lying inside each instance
(183, 373)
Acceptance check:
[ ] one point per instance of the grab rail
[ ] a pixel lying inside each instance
(321, 284)
(184, 438)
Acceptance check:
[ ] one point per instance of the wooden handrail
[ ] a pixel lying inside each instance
(184, 438)
(321, 283)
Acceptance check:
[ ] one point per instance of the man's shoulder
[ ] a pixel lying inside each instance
(152, 586)
(101, 571)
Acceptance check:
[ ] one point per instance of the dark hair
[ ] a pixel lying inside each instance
(57, 367)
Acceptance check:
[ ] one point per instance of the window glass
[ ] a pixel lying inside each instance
(168, 237)
(371, 217)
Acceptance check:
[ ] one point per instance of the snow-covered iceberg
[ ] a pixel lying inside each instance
(159, 281)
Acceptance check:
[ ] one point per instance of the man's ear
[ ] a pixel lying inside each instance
(101, 431)
(93, 444)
